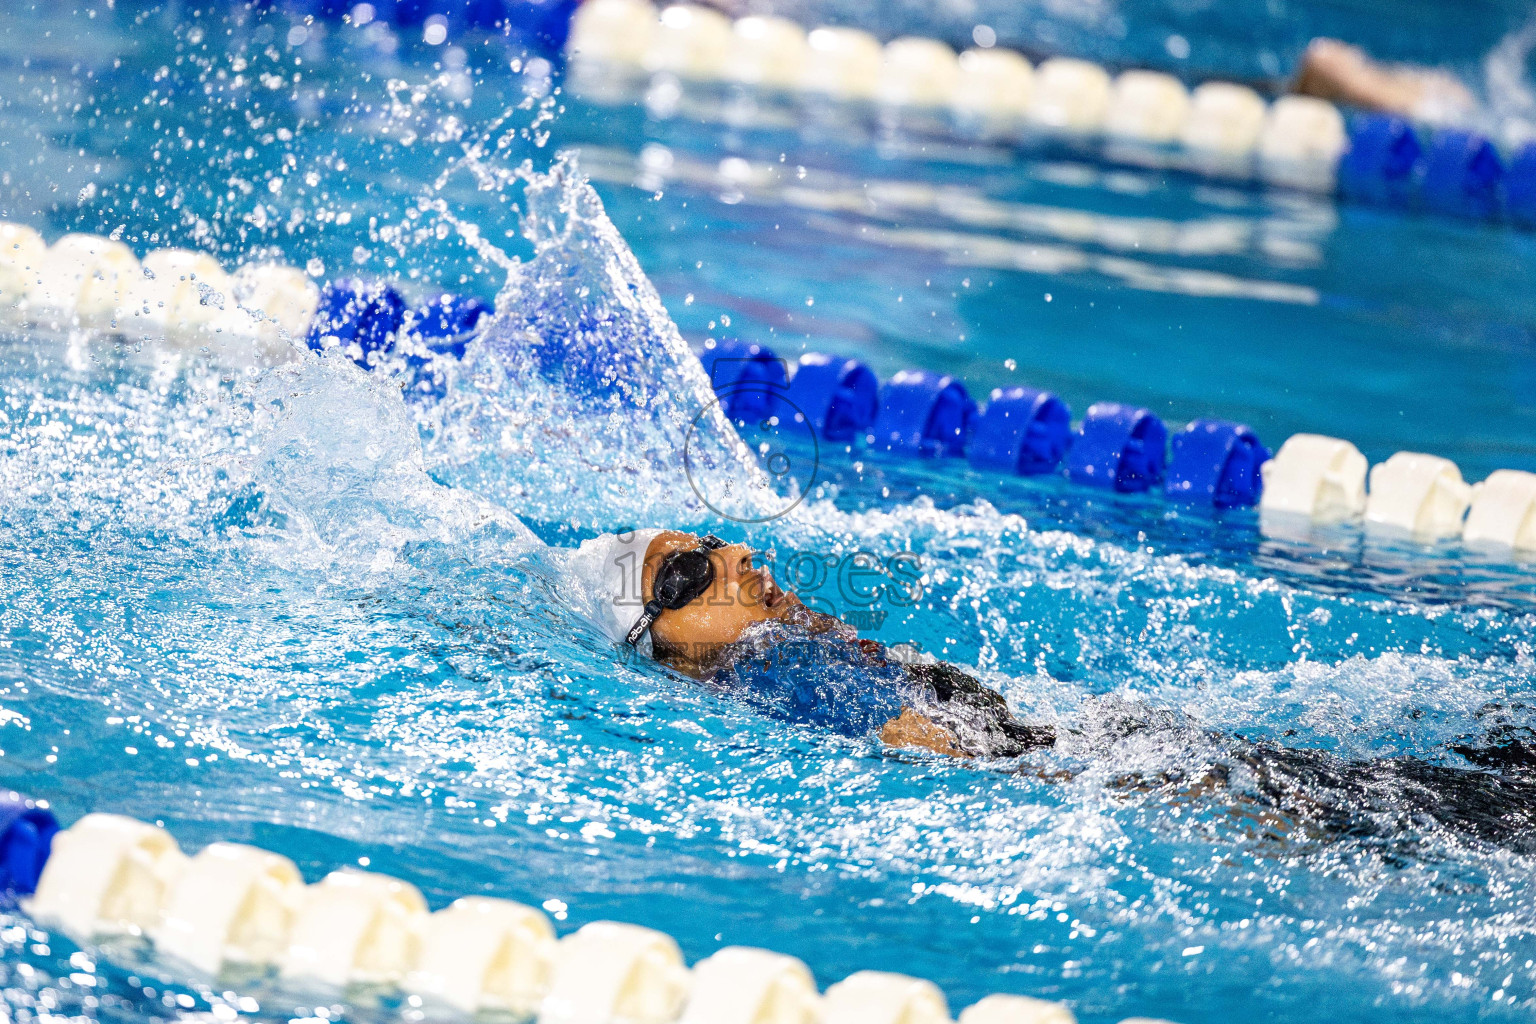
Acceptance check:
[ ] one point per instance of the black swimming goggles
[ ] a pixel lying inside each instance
(681, 577)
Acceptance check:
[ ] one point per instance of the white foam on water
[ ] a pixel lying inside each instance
(336, 451)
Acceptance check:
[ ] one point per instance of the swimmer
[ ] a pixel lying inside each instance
(1335, 71)
(705, 608)
(710, 612)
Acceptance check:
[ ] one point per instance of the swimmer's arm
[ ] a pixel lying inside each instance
(1344, 74)
(914, 732)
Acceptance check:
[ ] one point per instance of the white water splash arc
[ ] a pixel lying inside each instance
(578, 403)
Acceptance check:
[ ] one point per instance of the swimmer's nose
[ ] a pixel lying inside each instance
(767, 589)
(757, 582)
(734, 553)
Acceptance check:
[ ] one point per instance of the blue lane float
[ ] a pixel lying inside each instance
(1216, 463)
(485, 15)
(1021, 431)
(542, 27)
(923, 413)
(1462, 176)
(369, 319)
(1520, 188)
(367, 314)
(26, 838)
(446, 322)
(1378, 167)
(748, 378)
(1119, 447)
(839, 397)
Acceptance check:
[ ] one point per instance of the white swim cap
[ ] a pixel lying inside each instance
(614, 565)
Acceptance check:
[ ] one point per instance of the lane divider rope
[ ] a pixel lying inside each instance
(1139, 117)
(187, 300)
(1127, 449)
(232, 904)
(1020, 431)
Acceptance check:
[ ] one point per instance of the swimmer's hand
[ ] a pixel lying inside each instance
(1342, 73)
(914, 732)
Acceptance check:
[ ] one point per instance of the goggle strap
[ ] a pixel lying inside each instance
(654, 608)
(643, 623)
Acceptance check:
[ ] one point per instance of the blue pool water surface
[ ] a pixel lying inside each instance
(285, 606)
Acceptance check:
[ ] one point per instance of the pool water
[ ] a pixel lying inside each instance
(286, 606)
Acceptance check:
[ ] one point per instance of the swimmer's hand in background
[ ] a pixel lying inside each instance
(1336, 71)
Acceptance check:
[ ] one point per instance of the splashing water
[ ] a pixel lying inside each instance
(326, 639)
(584, 389)
(296, 609)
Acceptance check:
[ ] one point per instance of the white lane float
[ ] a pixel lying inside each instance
(107, 875)
(230, 904)
(609, 972)
(110, 874)
(1223, 127)
(175, 295)
(1070, 96)
(81, 281)
(1301, 143)
(284, 297)
(691, 41)
(1421, 494)
(1016, 1010)
(843, 63)
(179, 297)
(1322, 478)
(878, 997)
(918, 72)
(613, 31)
(1147, 106)
(22, 251)
(767, 51)
(484, 954)
(355, 927)
(993, 83)
(1503, 511)
(740, 985)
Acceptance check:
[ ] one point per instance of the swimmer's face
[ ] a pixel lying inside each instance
(742, 595)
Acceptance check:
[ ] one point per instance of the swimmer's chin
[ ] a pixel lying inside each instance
(702, 660)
